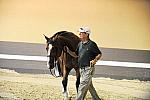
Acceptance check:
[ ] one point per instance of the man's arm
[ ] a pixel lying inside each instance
(93, 62)
(98, 57)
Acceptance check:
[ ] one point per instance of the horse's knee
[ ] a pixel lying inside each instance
(77, 83)
(64, 82)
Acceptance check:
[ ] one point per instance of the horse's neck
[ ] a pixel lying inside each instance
(70, 45)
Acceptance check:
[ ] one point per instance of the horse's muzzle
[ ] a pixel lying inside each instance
(50, 65)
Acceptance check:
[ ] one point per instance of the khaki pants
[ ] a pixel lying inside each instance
(86, 84)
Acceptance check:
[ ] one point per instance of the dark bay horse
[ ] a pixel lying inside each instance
(60, 50)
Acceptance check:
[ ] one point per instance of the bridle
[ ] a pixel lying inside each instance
(64, 50)
(55, 63)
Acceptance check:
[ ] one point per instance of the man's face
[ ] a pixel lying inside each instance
(83, 35)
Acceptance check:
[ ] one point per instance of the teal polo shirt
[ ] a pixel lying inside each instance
(87, 52)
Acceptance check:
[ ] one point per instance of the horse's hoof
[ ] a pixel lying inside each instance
(69, 98)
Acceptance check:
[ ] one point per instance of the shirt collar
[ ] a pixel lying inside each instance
(86, 42)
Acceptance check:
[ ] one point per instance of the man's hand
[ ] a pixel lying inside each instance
(93, 62)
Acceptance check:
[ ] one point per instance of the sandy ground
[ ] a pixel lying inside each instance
(16, 86)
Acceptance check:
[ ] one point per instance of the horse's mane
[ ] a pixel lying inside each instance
(65, 34)
(71, 37)
(59, 33)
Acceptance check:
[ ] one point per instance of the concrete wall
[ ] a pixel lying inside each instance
(109, 54)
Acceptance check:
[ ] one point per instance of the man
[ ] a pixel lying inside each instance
(88, 54)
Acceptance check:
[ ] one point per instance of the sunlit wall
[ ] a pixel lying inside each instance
(114, 23)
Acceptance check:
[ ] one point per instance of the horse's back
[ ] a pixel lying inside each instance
(68, 34)
(74, 39)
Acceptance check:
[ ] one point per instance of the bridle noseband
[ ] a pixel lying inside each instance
(64, 50)
(55, 62)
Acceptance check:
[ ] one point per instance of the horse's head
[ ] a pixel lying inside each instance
(54, 49)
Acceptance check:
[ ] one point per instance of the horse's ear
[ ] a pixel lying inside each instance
(46, 37)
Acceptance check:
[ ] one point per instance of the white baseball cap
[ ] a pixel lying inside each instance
(85, 29)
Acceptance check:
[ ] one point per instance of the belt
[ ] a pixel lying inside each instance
(83, 67)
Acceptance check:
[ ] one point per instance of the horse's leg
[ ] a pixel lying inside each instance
(78, 78)
(64, 81)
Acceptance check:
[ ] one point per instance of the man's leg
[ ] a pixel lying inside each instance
(84, 84)
(83, 88)
(91, 87)
(93, 92)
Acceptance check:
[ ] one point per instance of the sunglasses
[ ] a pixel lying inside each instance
(82, 33)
